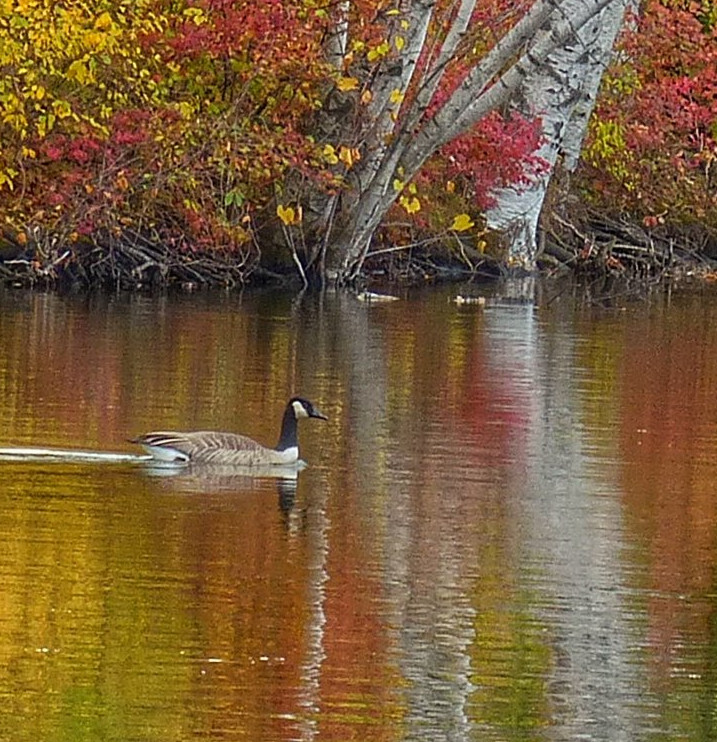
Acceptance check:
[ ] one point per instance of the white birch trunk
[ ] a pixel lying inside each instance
(518, 61)
(562, 93)
(337, 42)
(390, 86)
(578, 124)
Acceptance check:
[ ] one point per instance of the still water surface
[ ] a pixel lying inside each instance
(507, 529)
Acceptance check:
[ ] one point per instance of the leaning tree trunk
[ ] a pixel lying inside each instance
(562, 92)
(395, 139)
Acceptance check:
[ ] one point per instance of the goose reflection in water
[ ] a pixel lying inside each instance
(215, 479)
(184, 477)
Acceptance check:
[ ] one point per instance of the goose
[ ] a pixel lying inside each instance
(211, 447)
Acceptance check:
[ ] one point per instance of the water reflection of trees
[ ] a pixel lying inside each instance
(464, 549)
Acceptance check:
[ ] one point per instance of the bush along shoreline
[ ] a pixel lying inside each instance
(219, 144)
(588, 244)
(131, 262)
(597, 244)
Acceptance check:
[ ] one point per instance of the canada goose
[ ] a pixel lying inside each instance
(209, 447)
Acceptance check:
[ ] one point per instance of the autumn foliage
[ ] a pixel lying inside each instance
(182, 120)
(653, 145)
(173, 119)
(198, 124)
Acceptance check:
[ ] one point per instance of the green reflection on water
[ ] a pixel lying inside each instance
(511, 657)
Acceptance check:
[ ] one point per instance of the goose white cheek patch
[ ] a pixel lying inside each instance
(299, 410)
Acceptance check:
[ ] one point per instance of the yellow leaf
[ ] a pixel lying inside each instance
(346, 156)
(186, 110)
(79, 71)
(94, 39)
(61, 108)
(481, 246)
(6, 180)
(103, 22)
(288, 214)
(329, 154)
(347, 83)
(378, 51)
(398, 185)
(196, 14)
(410, 204)
(450, 186)
(366, 97)
(461, 222)
(399, 42)
(396, 96)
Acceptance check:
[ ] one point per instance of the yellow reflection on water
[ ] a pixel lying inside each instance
(507, 521)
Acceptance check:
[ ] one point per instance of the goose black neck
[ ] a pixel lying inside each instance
(288, 437)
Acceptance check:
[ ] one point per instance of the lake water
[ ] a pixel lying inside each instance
(507, 529)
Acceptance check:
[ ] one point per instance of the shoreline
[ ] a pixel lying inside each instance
(595, 247)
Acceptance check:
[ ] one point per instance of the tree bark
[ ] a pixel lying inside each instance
(396, 140)
(562, 93)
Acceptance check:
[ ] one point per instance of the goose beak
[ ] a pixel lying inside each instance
(318, 413)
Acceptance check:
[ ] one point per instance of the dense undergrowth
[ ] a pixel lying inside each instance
(150, 143)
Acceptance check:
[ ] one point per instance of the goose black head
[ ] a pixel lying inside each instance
(303, 408)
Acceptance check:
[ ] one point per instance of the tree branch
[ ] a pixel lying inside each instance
(470, 103)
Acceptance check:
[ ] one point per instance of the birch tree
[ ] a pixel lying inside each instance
(380, 115)
(562, 93)
(231, 128)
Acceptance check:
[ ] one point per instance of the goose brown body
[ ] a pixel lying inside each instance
(214, 447)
